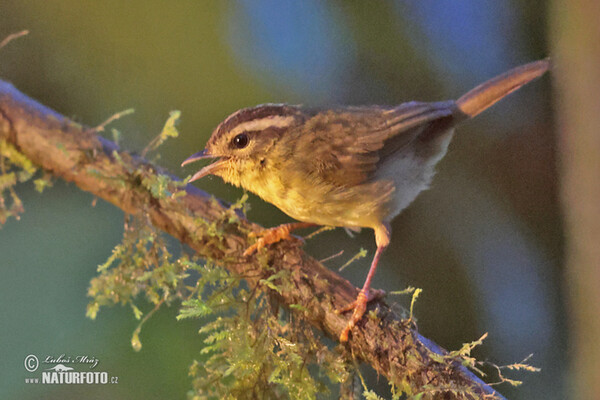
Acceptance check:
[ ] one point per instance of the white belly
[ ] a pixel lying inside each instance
(410, 173)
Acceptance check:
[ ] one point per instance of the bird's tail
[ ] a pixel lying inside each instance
(488, 93)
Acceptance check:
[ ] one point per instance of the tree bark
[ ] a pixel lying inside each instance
(391, 346)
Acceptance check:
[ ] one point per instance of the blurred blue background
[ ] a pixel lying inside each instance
(485, 242)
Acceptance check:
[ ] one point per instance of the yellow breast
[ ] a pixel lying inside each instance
(307, 200)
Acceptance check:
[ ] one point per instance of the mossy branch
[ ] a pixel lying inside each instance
(392, 346)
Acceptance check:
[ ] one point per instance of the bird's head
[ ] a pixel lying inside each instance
(242, 143)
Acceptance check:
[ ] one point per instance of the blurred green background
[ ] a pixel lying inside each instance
(485, 242)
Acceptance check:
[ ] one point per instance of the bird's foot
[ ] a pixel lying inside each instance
(359, 306)
(270, 236)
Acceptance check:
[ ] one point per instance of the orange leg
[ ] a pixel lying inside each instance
(364, 296)
(382, 237)
(274, 235)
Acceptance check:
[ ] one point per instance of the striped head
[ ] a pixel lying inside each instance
(242, 142)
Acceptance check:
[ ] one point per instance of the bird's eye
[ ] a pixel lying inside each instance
(240, 141)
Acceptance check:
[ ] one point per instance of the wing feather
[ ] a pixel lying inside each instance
(345, 145)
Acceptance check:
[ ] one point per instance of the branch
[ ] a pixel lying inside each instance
(390, 345)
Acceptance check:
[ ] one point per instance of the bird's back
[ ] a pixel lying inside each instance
(356, 166)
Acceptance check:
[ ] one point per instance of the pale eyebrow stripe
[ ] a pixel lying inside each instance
(263, 123)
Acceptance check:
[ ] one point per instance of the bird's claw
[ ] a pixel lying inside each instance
(359, 306)
(270, 236)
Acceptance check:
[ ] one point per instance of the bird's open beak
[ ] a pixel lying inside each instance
(209, 169)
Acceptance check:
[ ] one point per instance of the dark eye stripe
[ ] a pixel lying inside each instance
(256, 113)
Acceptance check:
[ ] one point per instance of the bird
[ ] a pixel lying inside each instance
(345, 166)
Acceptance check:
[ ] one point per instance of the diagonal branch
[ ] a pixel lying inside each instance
(391, 346)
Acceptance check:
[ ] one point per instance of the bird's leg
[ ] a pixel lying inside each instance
(274, 235)
(382, 237)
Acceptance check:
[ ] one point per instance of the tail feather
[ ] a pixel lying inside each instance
(488, 93)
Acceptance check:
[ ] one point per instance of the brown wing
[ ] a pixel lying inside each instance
(345, 145)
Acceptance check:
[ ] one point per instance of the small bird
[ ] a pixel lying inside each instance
(352, 167)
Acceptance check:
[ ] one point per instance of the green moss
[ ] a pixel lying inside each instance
(15, 168)
(169, 131)
(140, 264)
(42, 183)
(253, 347)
